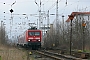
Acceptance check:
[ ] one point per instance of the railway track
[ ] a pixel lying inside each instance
(57, 56)
(51, 54)
(34, 55)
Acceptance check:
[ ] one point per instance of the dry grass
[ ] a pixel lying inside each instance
(10, 53)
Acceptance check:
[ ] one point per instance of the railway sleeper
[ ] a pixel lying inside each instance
(57, 56)
(81, 55)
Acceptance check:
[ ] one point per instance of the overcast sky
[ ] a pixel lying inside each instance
(29, 7)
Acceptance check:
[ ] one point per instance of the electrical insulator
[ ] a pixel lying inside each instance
(11, 10)
(3, 3)
(66, 2)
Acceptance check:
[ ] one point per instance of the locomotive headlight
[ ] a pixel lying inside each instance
(38, 40)
(28, 40)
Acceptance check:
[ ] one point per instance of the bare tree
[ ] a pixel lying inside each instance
(2, 34)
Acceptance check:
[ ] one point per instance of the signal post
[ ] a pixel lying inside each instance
(83, 41)
(71, 18)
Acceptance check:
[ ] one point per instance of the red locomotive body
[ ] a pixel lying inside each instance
(31, 38)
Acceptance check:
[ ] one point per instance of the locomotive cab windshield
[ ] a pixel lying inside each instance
(34, 33)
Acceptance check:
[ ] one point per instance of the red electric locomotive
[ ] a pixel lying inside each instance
(31, 38)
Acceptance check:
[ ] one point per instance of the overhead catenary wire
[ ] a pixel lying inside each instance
(72, 5)
(46, 2)
(68, 5)
(53, 5)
